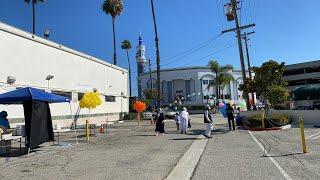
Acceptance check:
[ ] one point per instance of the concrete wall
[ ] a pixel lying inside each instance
(310, 117)
(30, 59)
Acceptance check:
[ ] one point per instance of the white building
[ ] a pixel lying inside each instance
(190, 84)
(30, 59)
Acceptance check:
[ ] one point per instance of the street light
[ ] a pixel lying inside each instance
(47, 33)
(11, 80)
(48, 78)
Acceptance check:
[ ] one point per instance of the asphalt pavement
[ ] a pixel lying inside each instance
(127, 151)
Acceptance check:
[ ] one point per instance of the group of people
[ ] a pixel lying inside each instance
(182, 120)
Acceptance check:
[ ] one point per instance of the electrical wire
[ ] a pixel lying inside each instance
(208, 55)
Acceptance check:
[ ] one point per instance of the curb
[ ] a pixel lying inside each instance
(286, 127)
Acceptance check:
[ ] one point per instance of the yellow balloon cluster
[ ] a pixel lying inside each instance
(90, 100)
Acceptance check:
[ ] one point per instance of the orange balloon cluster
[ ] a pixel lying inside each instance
(139, 106)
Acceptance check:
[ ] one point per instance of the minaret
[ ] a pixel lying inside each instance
(141, 62)
(140, 56)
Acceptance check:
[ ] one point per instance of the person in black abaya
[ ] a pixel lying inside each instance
(159, 122)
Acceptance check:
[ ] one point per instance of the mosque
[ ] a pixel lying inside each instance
(187, 84)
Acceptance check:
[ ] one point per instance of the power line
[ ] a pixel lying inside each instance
(183, 57)
(190, 51)
(219, 51)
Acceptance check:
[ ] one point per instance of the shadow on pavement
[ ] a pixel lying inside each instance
(283, 155)
(179, 139)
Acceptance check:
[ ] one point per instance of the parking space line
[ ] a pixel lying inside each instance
(271, 159)
(315, 137)
(311, 137)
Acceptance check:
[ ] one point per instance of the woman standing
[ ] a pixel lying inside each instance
(207, 122)
(177, 119)
(159, 122)
(184, 118)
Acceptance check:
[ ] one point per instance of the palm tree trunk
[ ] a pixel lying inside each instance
(129, 72)
(222, 92)
(114, 42)
(158, 55)
(33, 17)
(217, 91)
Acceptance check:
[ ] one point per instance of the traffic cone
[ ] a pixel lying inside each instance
(101, 129)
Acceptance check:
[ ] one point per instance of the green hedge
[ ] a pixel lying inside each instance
(270, 121)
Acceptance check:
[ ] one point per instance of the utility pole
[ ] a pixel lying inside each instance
(245, 37)
(150, 77)
(238, 29)
(158, 55)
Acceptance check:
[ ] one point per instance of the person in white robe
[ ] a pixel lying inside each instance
(184, 117)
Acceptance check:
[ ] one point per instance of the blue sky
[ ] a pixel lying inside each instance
(286, 30)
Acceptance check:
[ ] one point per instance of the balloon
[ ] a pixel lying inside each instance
(223, 111)
(139, 106)
(221, 104)
(90, 100)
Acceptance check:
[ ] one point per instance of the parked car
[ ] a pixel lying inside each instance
(147, 115)
(169, 113)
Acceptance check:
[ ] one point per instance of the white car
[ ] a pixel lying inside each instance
(147, 115)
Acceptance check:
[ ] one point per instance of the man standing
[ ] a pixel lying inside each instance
(207, 122)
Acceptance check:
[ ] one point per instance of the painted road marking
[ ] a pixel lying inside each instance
(271, 159)
(312, 136)
(187, 164)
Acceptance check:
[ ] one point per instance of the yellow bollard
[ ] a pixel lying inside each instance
(262, 118)
(303, 139)
(87, 131)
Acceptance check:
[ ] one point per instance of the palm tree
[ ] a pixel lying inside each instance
(224, 78)
(215, 67)
(157, 53)
(127, 45)
(34, 2)
(114, 8)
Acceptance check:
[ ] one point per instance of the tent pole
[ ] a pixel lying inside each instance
(74, 124)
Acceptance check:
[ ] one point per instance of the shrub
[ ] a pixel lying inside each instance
(271, 121)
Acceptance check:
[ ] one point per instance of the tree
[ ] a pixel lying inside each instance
(127, 45)
(277, 95)
(157, 53)
(223, 77)
(114, 8)
(215, 68)
(267, 83)
(34, 2)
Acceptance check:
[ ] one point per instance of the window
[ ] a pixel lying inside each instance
(110, 98)
(205, 82)
(211, 81)
(63, 93)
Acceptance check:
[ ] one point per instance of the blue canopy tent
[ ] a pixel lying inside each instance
(27, 94)
(36, 112)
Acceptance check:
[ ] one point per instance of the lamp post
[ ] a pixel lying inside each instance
(47, 33)
(48, 78)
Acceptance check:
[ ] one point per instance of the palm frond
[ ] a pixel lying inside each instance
(126, 44)
(112, 7)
